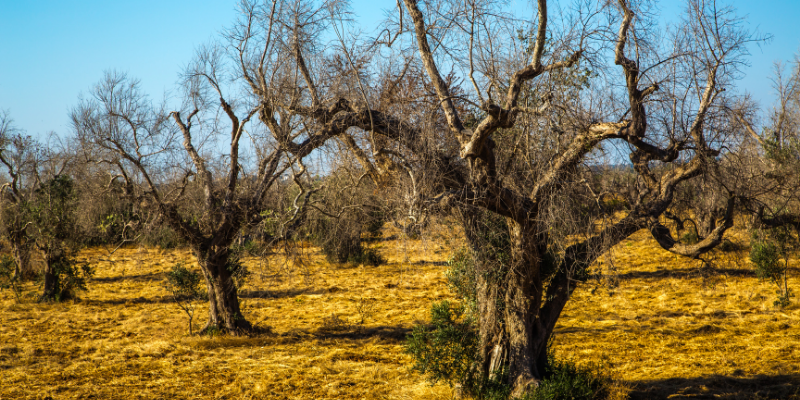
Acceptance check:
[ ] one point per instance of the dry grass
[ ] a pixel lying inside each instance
(669, 329)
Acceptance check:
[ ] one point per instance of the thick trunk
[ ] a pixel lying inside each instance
(493, 345)
(51, 283)
(523, 296)
(223, 299)
(509, 295)
(21, 251)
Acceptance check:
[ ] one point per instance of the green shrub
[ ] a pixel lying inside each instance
(766, 257)
(615, 204)
(565, 381)
(239, 272)
(339, 242)
(184, 283)
(366, 256)
(250, 247)
(70, 276)
(185, 287)
(766, 252)
(8, 277)
(690, 237)
(445, 349)
(461, 277)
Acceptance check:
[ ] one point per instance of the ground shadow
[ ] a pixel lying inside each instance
(692, 273)
(387, 333)
(151, 277)
(685, 274)
(435, 263)
(264, 336)
(720, 387)
(285, 293)
(123, 301)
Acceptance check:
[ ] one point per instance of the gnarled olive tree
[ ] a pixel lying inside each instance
(548, 107)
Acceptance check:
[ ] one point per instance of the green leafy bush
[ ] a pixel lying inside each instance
(70, 276)
(239, 272)
(690, 237)
(367, 256)
(461, 277)
(184, 283)
(8, 277)
(185, 287)
(445, 348)
(768, 249)
(565, 381)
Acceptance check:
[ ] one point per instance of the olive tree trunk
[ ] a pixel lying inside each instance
(51, 277)
(224, 310)
(21, 251)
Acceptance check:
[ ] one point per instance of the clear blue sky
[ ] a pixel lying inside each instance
(52, 51)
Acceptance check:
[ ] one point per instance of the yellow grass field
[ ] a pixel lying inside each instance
(662, 325)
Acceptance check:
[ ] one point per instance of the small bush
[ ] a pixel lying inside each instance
(185, 286)
(565, 381)
(250, 247)
(766, 252)
(461, 277)
(184, 283)
(341, 245)
(690, 237)
(8, 278)
(367, 256)
(615, 204)
(239, 272)
(445, 349)
(69, 277)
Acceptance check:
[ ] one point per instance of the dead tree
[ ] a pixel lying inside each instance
(19, 155)
(520, 145)
(269, 82)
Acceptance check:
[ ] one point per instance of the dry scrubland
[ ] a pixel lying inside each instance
(664, 326)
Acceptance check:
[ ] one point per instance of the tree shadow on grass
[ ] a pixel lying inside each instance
(151, 277)
(285, 293)
(384, 334)
(128, 300)
(759, 387)
(693, 273)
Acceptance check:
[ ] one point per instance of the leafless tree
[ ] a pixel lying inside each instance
(546, 106)
(270, 80)
(20, 156)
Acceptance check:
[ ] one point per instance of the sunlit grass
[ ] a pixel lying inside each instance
(663, 324)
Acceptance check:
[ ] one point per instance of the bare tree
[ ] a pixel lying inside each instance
(270, 81)
(546, 107)
(20, 155)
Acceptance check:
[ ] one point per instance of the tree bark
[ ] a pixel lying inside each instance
(509, 291)
(523, 298)
(224, 311)
(21, 251)
(51, 278)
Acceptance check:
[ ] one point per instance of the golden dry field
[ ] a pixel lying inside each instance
(662, 325)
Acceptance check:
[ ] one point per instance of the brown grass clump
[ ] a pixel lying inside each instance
(664, 325)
